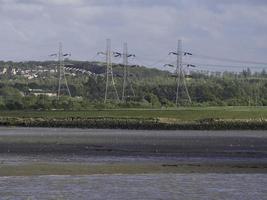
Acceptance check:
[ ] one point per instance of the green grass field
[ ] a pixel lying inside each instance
(181, 114)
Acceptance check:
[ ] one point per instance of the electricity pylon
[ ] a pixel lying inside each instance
(179, 73)
(110, 82)
(126, 81)
(61, 71)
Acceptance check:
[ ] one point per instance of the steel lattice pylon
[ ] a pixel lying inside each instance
(180, 74)
(61, 72)
(110, 82)
(126, 80)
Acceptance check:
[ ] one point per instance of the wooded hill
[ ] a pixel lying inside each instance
(20, 82)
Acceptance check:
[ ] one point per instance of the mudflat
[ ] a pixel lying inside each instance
(149, 151)
(129, 142)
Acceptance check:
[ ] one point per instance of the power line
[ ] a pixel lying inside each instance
(228, 59)
(94, 57)
(163, 60)
(220, 65)
(229, 66)
(160, 61)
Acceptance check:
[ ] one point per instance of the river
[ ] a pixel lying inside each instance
(165, 164)
(150, 186)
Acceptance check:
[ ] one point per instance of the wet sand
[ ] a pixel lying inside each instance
(149, 151)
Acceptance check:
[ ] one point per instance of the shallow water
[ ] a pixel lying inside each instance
(151, 186)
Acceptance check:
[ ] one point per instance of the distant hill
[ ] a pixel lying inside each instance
(153, 87)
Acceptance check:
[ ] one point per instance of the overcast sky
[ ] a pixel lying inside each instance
(32, 29)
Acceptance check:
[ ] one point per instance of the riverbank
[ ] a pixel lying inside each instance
(206, 118)
(136, 123)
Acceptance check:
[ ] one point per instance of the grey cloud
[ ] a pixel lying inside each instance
(151, 27)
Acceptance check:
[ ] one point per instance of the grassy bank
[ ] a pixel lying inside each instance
(209, 118)
(182, 114)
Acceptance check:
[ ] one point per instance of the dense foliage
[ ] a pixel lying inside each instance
(153, 88)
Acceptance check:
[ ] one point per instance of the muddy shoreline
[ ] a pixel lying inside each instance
(122, 142)
(150, 151)
(86, 169)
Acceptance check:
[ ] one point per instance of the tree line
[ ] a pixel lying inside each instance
(153, 88)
